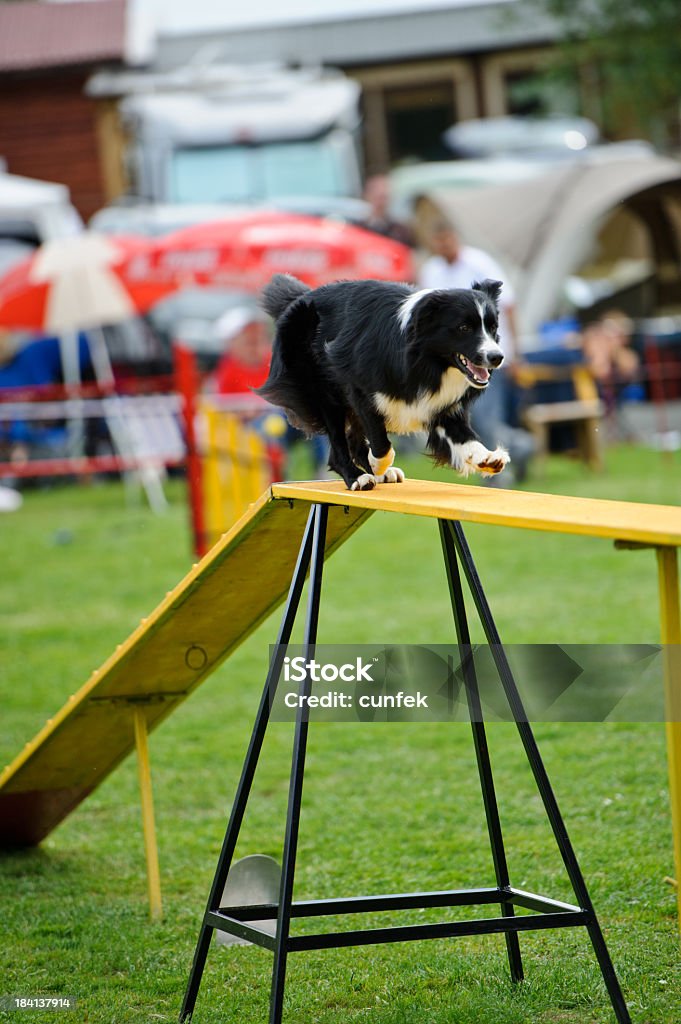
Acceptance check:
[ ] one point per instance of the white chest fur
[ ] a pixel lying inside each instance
(406, 417)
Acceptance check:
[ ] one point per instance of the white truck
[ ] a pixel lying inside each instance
(240, 136)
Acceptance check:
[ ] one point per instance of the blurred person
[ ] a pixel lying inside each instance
(377, 194)
(606, 344)
(613, 363)
(455, 265)
(248, 349)
(31, 362)
(245, 366)
(35, 363)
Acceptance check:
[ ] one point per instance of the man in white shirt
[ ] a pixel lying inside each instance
(454, 265)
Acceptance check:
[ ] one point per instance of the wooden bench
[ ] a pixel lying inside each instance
(585, 411)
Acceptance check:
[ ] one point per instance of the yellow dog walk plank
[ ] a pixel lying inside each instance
(658, 525)
(218, 604)
(226, 596)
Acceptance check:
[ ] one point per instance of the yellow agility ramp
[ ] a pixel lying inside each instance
(236, 586)
(218, 604)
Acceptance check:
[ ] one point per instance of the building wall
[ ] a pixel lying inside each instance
(407, 91)
(420, 34)
(404, 101)
(48, 129)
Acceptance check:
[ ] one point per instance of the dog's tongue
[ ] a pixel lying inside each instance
(480, 373)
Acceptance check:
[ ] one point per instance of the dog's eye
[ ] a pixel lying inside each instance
(465, 329)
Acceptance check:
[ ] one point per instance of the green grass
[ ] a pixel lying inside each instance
(386, 808)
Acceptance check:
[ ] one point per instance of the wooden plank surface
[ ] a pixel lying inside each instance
(617, 520)
(199, 623)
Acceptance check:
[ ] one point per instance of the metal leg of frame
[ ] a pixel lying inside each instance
(480, 744)
(250, 764)
(297, 773)
(540, 775)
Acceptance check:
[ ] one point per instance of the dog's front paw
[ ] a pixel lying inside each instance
(473, 457)
(495, 462)
(394, 475)
(365, 482)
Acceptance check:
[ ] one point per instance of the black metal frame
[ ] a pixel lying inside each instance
(242, 921)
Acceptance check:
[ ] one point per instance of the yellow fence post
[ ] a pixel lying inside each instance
(235, 468)
(670, 621)
(148, 823)
(212, 485)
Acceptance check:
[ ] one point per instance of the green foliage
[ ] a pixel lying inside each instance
(633, 51)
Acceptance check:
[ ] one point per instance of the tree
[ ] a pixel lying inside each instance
(634, 50)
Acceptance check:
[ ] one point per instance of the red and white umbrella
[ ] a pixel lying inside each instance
(243, 252)
(75, 283)
(72, 284)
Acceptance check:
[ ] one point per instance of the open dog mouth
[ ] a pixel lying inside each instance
(479, 376)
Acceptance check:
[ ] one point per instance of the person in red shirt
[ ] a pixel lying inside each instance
(246, 362)
(244, 366)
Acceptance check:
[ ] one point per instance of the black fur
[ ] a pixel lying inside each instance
(340, 346)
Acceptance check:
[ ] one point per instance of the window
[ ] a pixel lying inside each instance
(416, 117)
(534, 93)
(239, 173)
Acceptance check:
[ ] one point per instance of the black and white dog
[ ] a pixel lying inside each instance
(357, 359)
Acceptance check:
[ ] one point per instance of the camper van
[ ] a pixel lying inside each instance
(240, 136)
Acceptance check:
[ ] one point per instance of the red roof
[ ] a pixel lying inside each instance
(47, 35)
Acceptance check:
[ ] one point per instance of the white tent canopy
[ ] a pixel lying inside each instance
(45, 204)
(541, 230)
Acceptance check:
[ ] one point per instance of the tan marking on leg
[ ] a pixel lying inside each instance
(379, 466)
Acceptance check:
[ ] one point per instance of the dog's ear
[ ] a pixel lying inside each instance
(490, 288)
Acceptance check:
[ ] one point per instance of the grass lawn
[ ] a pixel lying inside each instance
(387, 808)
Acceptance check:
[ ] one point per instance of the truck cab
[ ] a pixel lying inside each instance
(241, 136)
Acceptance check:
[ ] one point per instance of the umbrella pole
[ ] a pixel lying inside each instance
(149, 477)
(70, 363)
(103, 374)
(113, 413)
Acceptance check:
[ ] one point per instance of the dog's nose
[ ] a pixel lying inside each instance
(496, 359)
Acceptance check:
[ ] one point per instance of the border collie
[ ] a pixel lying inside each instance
(357, 359)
